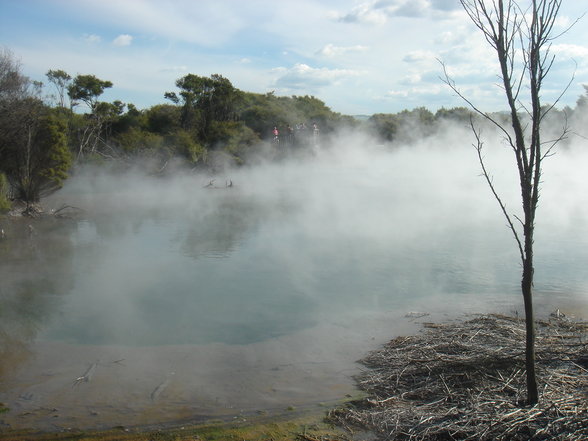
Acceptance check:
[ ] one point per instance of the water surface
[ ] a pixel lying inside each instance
(165, 301)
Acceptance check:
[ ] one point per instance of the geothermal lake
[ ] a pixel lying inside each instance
(168, 302)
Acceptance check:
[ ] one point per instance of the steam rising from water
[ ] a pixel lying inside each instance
(350, 225)
(306, 261)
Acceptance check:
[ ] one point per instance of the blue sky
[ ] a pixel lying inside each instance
(358, 56)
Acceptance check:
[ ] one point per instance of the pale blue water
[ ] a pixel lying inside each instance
(250, 263)
(292, 247)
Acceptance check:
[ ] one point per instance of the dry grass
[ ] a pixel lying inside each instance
(466, 381)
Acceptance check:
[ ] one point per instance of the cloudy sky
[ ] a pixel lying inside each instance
(358, 56)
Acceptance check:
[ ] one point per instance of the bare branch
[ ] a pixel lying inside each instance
(478, 146)
(447, 80)
(553, 143)
(564, 90)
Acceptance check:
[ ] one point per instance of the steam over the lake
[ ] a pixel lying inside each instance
(262, 295)
(349, 210)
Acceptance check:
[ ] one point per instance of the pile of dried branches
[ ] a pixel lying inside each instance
(466, 380)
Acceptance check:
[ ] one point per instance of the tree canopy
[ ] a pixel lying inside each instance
(85, 88)
(205, 116)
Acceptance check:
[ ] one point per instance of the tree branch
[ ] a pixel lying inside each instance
(478, 146)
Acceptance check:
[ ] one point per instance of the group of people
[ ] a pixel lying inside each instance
(297, 135)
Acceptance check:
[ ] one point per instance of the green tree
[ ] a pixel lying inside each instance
(33, 148)
(235, 138)
(87, 89)
(87, 132)
(261, 112)
(54, 158)
(36, 162)
(385, 126)
(582, 102)
(204, 100)
(184, 145)
(163, 119)
(14, 88)
(61, 80)
(134, 142)
(316, 111)
(415, 124)
(121, 121)
(13, 84)
(455, 114)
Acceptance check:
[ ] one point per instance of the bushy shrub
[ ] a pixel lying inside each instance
(184, 145)
(233, 137)
(138, 142)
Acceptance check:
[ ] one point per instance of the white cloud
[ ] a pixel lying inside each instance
(396, 93)
(445, 5)
(364, 13)
(174, 69)
(92, 38)
(423, 90)
(415, 96)
(209, 23)
(303, 77)
(350, 67)
(380, 11)
(413, 78)
(419, 56)
(408, 8)
(330, 50)
(563, 22)
(452, 37)
(570, 50)
(123, 40)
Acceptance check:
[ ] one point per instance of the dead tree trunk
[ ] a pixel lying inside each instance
(520, 37)
(527, 290)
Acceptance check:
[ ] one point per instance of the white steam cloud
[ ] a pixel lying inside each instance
(262, 295)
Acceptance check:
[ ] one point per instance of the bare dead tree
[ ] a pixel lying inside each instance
(521, 38)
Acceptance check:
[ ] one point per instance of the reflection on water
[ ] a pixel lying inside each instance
(169, 301)
(35, 273)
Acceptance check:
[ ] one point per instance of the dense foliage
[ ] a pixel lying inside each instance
(34, 151)
(47, 129)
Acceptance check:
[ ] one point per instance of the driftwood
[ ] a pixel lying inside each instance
(36, 211)
(466, 380)
(32, 210)
(67, 211)
(87, 377)
(211, 184)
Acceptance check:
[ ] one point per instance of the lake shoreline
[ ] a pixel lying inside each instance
(287, 424)
(475, 376)
(466, 380)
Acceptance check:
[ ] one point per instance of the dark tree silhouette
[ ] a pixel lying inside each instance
(521, 38)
